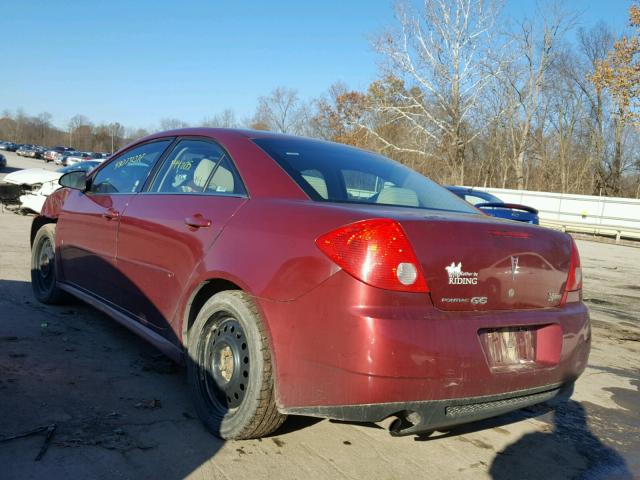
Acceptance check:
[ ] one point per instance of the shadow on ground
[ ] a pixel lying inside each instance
(119, 407)
(570, 444)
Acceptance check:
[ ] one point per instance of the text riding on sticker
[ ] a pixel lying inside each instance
(458, 277)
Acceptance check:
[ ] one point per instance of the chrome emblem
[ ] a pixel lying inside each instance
(514, 267)
(479, 300)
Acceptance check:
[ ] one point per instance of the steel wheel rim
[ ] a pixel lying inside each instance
(45, 258)
(223, 363)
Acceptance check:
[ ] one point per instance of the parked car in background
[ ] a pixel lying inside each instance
(60, 158)
(24, 149)
(33, 152)
(50, 155)
(8, 146)
(296, 276)
(492, 205)
(38, 183)
(77, 157)
(30, 177)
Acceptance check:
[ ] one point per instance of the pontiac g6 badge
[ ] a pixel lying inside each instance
(458, 277)
(479, 300)
(514, 267)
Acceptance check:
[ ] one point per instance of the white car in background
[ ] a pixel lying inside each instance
(79, 157)
(37, 183)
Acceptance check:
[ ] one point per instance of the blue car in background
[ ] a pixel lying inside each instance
(492, 205)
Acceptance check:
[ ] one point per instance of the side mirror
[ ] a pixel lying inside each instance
(76, 180)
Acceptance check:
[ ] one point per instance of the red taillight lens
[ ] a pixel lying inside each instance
(376, 252)
(572, 291)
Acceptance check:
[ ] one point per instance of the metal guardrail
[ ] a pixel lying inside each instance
(607, 216)
(604, 230)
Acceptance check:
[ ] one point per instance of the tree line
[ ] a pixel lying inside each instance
(462, 97)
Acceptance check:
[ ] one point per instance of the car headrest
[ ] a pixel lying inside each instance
(222, 180)
(398, 196)
(203, 170)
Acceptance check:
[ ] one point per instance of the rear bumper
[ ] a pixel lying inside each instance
(346, 343)
(426, 416)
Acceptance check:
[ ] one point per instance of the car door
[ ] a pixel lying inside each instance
(88, 223)
(167, 228)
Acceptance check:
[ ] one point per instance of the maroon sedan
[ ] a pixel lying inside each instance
(296, 276)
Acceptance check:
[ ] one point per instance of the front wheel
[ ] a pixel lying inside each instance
(43, 267)
(230, 368)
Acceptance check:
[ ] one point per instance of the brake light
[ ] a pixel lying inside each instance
(573, 288)
(377, 252)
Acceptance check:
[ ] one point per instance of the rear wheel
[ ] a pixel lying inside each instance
(230, 368)
(43, 267)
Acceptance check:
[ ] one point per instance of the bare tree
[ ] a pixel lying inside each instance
(224, 119)
(282, 111)
(620, 75)
(441, 53)
(116, 132)
(76, 122)
(172, 124)
(43, 125)
(578, 66)
(536, 48)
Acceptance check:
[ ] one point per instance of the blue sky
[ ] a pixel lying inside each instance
(138, 61)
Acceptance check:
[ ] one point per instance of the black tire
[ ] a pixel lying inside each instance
(43, 268)
(230, 369)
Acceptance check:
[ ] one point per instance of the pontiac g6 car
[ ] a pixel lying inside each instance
(295, 276)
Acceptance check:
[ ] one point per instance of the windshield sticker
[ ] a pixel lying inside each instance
(128, 160)
(177, 164)
(459, 277)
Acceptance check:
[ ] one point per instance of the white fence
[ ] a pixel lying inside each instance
(611, 216)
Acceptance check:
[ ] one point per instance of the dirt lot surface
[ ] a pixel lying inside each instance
(121, 410)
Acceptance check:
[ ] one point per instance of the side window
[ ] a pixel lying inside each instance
(128, 172)
(315, 178)
(225, 180)
(197, 166)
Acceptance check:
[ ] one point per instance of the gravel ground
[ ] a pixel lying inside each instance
(121, 410)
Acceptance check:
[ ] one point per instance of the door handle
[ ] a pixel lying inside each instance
(110, 214)
(197, 221)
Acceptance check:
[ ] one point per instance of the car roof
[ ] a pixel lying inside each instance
(222, 133)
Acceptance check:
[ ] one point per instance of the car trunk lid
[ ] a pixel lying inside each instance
(476, 263)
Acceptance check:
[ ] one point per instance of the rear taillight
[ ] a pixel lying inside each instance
(376, 252)
(573, 288)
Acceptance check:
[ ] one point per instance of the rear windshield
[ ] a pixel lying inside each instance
(337, 173)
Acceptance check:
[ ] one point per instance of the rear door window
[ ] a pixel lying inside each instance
(197, 166)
